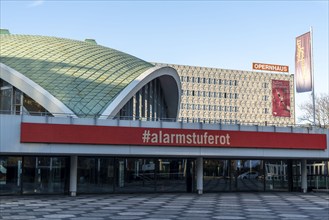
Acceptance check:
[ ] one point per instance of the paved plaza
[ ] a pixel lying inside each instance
(168, 206)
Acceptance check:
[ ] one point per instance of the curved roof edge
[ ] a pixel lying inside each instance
(172, 91)
(36, 92)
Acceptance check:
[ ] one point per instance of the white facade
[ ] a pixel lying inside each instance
(213, 95)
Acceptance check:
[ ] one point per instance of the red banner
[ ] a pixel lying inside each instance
(280, 98)
(108, 135)
(303, 66)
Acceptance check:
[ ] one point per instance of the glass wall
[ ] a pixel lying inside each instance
(317, 175)
(175, 175)
(148, 103)
(276, 175)
(13, 101)
(135, 175)
(263, 175)
(10, 175)
(233, 175)
(10, 99)
(217, 175)
(45, 175)
(50, 175)
(95, 175)
(130, 175)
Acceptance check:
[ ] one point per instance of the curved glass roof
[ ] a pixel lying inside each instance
(85, 76)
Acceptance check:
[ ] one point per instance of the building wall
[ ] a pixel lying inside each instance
(213, 95)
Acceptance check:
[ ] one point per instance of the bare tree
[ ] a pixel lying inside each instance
(321, 111)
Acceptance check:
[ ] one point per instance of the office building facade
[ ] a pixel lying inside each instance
(213, 95)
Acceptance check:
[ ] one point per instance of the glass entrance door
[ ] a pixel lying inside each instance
(233, 175)
(95, 175)
(175, 175)
(10, 175)
(248, 175)
(154, 175)
(44, 175)
(217, 175)
(135, 175)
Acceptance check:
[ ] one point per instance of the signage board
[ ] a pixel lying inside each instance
(138, 136)
(270, 67)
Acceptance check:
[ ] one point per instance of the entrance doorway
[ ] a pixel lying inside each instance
(135, 175)
(230, 175)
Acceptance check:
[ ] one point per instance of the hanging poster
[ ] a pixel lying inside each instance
(280, 98)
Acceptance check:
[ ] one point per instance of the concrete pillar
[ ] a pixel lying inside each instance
(304, 176)
(199, 175)
(73, 175)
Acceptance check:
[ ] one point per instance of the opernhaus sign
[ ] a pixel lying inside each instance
(270, 67)
(138, 136)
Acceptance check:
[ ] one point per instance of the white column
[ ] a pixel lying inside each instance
(73, 175)
(199, 175)
(304, 176)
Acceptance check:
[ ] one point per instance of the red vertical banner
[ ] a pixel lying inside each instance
(280, 98)
(303, 66)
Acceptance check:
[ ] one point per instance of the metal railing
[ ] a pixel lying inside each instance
(134, 118)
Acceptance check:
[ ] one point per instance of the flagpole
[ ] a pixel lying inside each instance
(312, 68)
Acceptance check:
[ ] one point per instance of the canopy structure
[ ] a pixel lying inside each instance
(78, 77)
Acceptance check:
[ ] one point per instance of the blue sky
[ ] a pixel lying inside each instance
(222, 34)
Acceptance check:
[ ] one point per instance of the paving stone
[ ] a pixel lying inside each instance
(276, 205)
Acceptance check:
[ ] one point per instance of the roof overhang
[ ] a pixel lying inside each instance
(170, 83)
